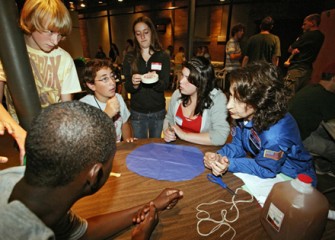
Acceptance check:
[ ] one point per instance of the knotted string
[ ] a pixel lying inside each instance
(224, 221)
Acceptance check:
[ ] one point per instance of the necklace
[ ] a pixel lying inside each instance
(97, 103)
(113, 118)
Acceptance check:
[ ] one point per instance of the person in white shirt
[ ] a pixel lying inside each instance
(100, 80)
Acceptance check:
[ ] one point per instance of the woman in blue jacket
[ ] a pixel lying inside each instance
(266, 139)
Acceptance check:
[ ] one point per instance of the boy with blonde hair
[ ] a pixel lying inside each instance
(45, 23)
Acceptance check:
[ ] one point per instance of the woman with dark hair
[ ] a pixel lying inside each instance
(147, 102)
(263, 129)
(197, 112)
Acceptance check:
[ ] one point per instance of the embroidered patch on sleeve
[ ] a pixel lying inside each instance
(273, 154)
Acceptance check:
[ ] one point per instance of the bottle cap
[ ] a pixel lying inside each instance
(305, 178)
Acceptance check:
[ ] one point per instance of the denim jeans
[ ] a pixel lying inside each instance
(147, 125)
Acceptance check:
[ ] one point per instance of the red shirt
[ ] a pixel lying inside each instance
(187, 124)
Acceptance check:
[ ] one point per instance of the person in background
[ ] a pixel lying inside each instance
(100, 53)
(266, 139)
(170, 51)
(304, 52)
(179, 60)
(147, 103)
(100, 80)
(233, 52)
(117, 63)
(14, 129)
(69, 149)
(263, 46)
(309, 107)
(114, 55)
(45, 24)
(197, 112)
(198, 52)
(205, 52)
(129, 47)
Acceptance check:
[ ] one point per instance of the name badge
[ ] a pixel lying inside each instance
(178, 120)
(156, 66)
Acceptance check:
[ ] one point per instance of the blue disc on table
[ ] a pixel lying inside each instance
(166, 161)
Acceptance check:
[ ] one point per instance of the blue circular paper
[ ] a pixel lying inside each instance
(166, 161)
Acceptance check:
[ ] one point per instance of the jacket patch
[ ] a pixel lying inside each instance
(254, 139)
(273, 154)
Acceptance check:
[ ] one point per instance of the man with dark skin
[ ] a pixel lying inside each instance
(69, 154)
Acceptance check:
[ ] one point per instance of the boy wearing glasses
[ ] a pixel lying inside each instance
(100, 81)
(45, 23)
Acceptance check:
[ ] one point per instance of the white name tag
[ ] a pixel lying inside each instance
(156, 66)
(178, 120)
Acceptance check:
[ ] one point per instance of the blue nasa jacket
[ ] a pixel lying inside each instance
(276, 150)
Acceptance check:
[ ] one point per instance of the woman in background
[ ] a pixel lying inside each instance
(114, 55)
(147, 104)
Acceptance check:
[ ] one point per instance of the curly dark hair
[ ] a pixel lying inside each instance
(236, 28)
(203, 77)
(91, 69)
(154, 45)
(64, 139)
(260, 85)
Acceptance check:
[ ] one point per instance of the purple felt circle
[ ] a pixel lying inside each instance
(166, 162)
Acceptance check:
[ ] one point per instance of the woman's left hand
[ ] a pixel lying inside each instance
(221, 166)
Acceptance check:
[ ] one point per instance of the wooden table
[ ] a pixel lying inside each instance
(179, 223)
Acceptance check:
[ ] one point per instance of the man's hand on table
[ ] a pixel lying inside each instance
(146, 218)
(146, 221)
(167, 199)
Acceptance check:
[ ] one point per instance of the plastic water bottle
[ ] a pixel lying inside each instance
(295, 210)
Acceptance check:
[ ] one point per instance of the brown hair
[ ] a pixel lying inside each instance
(260, 86)
(91, 69)
(154, 44)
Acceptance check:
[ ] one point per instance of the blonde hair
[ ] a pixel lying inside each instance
(39, 15)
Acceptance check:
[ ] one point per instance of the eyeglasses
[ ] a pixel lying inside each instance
(52, 33)
(106, 79)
